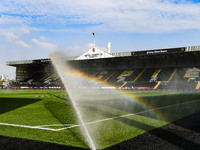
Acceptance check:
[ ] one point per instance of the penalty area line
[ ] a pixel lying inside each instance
(127, 115)
(41, 127)
(30, 127)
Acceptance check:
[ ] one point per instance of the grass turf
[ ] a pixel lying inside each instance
(48, 107)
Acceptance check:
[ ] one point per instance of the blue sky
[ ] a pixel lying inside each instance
(31, 29)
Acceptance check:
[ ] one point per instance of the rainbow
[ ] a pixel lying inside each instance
(128, 96)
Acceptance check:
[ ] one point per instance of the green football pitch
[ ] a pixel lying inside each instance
(47, 115)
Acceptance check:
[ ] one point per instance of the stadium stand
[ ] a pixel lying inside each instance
(160, 69)
(155, 75)
(110, 76)
(138, 75)
(157, 85)
(165, 74)
(198, 86)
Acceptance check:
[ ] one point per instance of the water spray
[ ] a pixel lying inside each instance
(94, 100)
(62, 66)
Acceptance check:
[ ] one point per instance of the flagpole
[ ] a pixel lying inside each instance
(94, 37)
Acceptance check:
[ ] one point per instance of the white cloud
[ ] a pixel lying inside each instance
(13, 35)
(109, 15)
(44, 45)
(6, 19)
(23, 44)
(22, 30)
(42, 38)
(10, 36)
(13, 38)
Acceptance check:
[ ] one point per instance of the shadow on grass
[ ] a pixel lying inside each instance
(170, 136)
(9, 104)
(191, 122)
(63, 98)
(130, 122)
(64, 113)
(166, 105)
(171, 113)
(162, 133)
(173, 107)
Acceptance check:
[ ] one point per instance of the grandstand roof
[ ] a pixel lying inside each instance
(96, 53)
(27, 62)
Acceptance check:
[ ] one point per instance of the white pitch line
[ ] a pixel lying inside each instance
(55, 125)
(97, 121)
(127, 115)
(25, 126)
